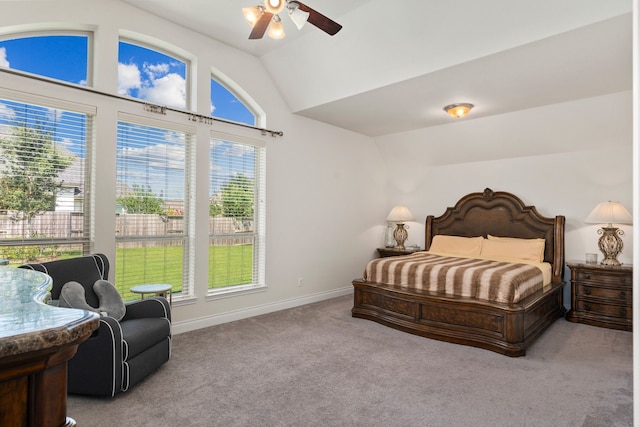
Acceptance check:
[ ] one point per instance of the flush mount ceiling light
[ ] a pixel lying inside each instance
(262, 17)
(458, 110)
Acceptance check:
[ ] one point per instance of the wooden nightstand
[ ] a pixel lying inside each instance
(385, 252)
(601, 295)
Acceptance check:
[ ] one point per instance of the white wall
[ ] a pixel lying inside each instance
(325, 186)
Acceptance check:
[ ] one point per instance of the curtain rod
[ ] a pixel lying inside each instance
(148, 106)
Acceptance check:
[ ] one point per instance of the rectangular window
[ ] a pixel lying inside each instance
(152, 210)
(45, 179)
(236, 216)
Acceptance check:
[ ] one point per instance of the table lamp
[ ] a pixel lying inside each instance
(610, 242)
(400, 214)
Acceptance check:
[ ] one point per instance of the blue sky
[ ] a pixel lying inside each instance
(142, 73)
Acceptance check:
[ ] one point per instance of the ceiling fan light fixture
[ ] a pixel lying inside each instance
(274, 6)
(252, 14)
(276, 30)
(458, 110)
(298, 16)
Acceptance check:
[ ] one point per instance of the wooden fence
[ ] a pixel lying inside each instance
(65, 225)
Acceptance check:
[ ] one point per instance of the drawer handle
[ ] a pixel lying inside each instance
(587, 276)
(587, 291)
(623, 311)
(622, 294)
(587, 306)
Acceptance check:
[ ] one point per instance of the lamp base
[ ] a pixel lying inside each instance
(400, 235)
(610, 244)
(610, 261)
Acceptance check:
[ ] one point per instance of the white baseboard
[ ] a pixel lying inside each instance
(218, 319)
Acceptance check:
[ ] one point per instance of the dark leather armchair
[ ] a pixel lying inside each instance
(121, 353)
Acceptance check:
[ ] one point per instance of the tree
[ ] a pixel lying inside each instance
(236, 198)
(140, 200)
(215, 208)
(29, 168)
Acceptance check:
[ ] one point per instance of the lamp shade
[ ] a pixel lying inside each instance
(298, 17)
(400, 214)
(252, 14)
(274, 6)
(276, 30)
(609, 213)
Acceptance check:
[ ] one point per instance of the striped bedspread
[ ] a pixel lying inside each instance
(468, 277)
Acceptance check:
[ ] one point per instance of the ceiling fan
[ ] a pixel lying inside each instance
(262, 17)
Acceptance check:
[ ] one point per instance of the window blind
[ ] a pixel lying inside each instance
(236, 214)
(152, 218)
(45, 181)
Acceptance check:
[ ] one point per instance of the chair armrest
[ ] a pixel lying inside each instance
(96, 369)
(148, 307)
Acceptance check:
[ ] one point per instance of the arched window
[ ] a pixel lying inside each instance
(236, 200)
(226, 105)
(58, 56)
(149, 74)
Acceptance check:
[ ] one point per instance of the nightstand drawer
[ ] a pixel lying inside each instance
(601, 295)
(608, 277)
(618, 311)
(621, 295)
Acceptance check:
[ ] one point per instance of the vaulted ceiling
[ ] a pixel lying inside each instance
(395, 65)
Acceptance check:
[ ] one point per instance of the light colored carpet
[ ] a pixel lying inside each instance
(315, 365)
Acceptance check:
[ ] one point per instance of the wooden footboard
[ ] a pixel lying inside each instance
(508, 329)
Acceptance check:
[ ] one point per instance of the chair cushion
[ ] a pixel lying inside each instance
(142, 334)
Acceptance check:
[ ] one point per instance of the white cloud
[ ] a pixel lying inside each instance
(167, 90)
(230, 149)
(157, 70)
(54, 114)
(4, 62)
(158, 157)
(6, 112)
(128, 78)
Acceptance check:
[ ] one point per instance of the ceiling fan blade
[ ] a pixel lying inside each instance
(261, 26)
(319, 20)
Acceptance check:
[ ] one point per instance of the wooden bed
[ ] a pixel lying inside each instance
(506, 328)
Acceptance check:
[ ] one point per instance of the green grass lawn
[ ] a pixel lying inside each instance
(228, 266)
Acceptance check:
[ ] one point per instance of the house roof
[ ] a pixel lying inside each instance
(395, 65)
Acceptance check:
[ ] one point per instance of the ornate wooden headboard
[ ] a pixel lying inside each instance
(501, 214)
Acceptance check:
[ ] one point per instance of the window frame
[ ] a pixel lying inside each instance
(188, 235)
(88, 211)
(46, 33)
(259, 234)
(164, 51)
